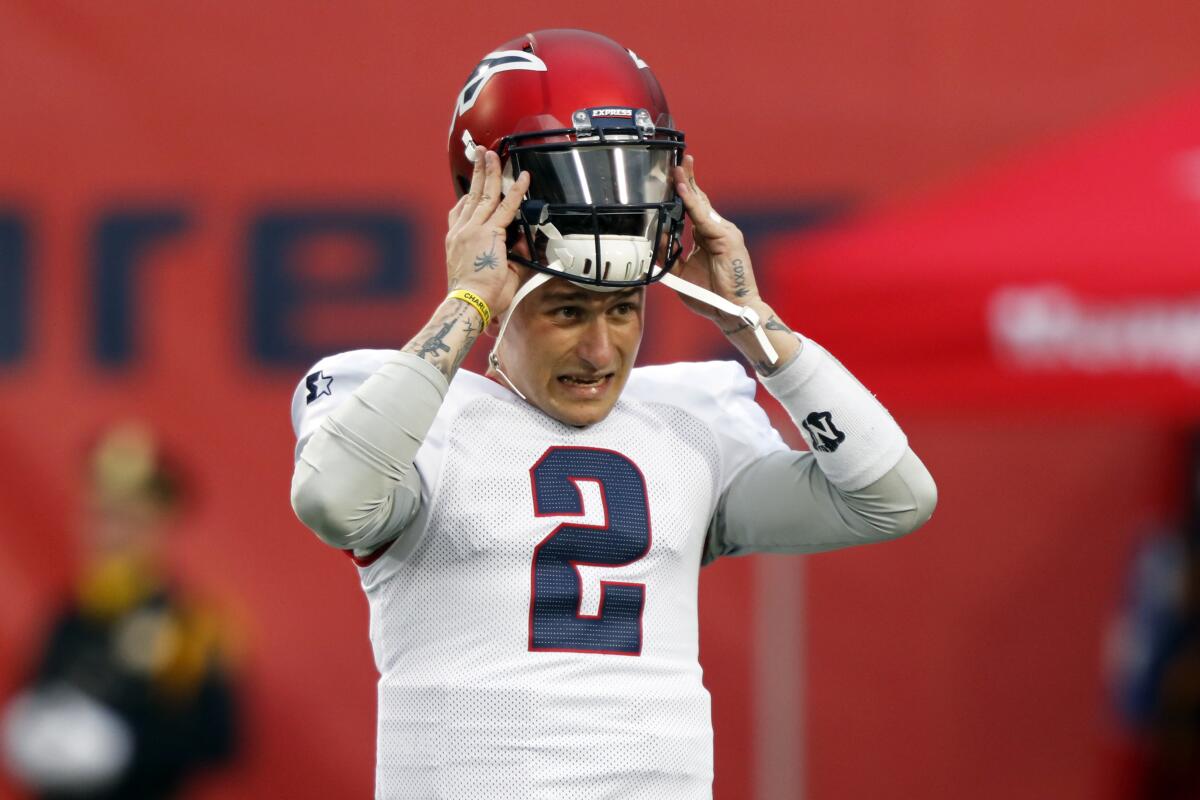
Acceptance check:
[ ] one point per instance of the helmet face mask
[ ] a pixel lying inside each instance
(601, 209)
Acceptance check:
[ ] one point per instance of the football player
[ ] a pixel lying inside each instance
(530, 540)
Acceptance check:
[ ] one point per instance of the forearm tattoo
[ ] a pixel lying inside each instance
(773, 324)
(435, 345)
(741, 326)
(447, 339)
(739, 278)
(472, 333)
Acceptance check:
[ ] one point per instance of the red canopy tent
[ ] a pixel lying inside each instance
(1068, 280)
(1037, 332)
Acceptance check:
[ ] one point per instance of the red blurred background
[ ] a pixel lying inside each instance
(196, 201)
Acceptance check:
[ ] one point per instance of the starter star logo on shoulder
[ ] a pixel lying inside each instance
(318, 384)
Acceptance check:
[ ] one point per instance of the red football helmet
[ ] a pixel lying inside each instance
(587, 119)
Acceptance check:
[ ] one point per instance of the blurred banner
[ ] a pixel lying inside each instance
(197, 203)
(1067, 281)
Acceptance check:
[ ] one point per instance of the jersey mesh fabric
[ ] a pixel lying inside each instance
(467, 707)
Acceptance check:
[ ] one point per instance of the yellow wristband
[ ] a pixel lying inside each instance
(474, 300)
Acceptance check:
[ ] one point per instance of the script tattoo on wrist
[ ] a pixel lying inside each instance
(739, 278)
(741, 326)
(488, 260)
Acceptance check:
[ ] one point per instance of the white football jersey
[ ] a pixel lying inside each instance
(535, 626)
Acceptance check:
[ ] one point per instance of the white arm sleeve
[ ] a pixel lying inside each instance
(360, 418)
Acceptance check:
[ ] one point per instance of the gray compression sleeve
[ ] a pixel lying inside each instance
(355, 483)
(783, 503)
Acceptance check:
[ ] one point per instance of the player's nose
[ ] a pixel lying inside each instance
(595, 344)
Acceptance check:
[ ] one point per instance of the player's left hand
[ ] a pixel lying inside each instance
(719, 260)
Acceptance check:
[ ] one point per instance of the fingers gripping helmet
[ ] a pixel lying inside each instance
(587, 119)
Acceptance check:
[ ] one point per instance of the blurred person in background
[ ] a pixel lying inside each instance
(1156, 654)
(131, 694)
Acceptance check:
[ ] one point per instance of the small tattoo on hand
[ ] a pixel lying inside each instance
(488, 260)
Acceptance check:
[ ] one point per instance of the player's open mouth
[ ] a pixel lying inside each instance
(591, 385)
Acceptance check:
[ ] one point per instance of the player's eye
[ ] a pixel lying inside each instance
(624, 309)
(567, 312)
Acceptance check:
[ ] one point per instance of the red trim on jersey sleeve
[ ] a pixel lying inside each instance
(371, 557)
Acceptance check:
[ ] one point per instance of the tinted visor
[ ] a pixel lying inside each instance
(600, 177)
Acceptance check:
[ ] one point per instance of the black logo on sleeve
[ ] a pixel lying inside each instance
(824, 434)
(318, 384)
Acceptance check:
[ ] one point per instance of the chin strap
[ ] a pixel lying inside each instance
(744, 313)
(534, 282)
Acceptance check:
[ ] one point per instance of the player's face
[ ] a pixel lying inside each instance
(569, 350)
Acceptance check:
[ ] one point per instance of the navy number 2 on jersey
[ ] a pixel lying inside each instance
(555, 618)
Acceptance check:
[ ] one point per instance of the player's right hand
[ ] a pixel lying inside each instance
(476, 253)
